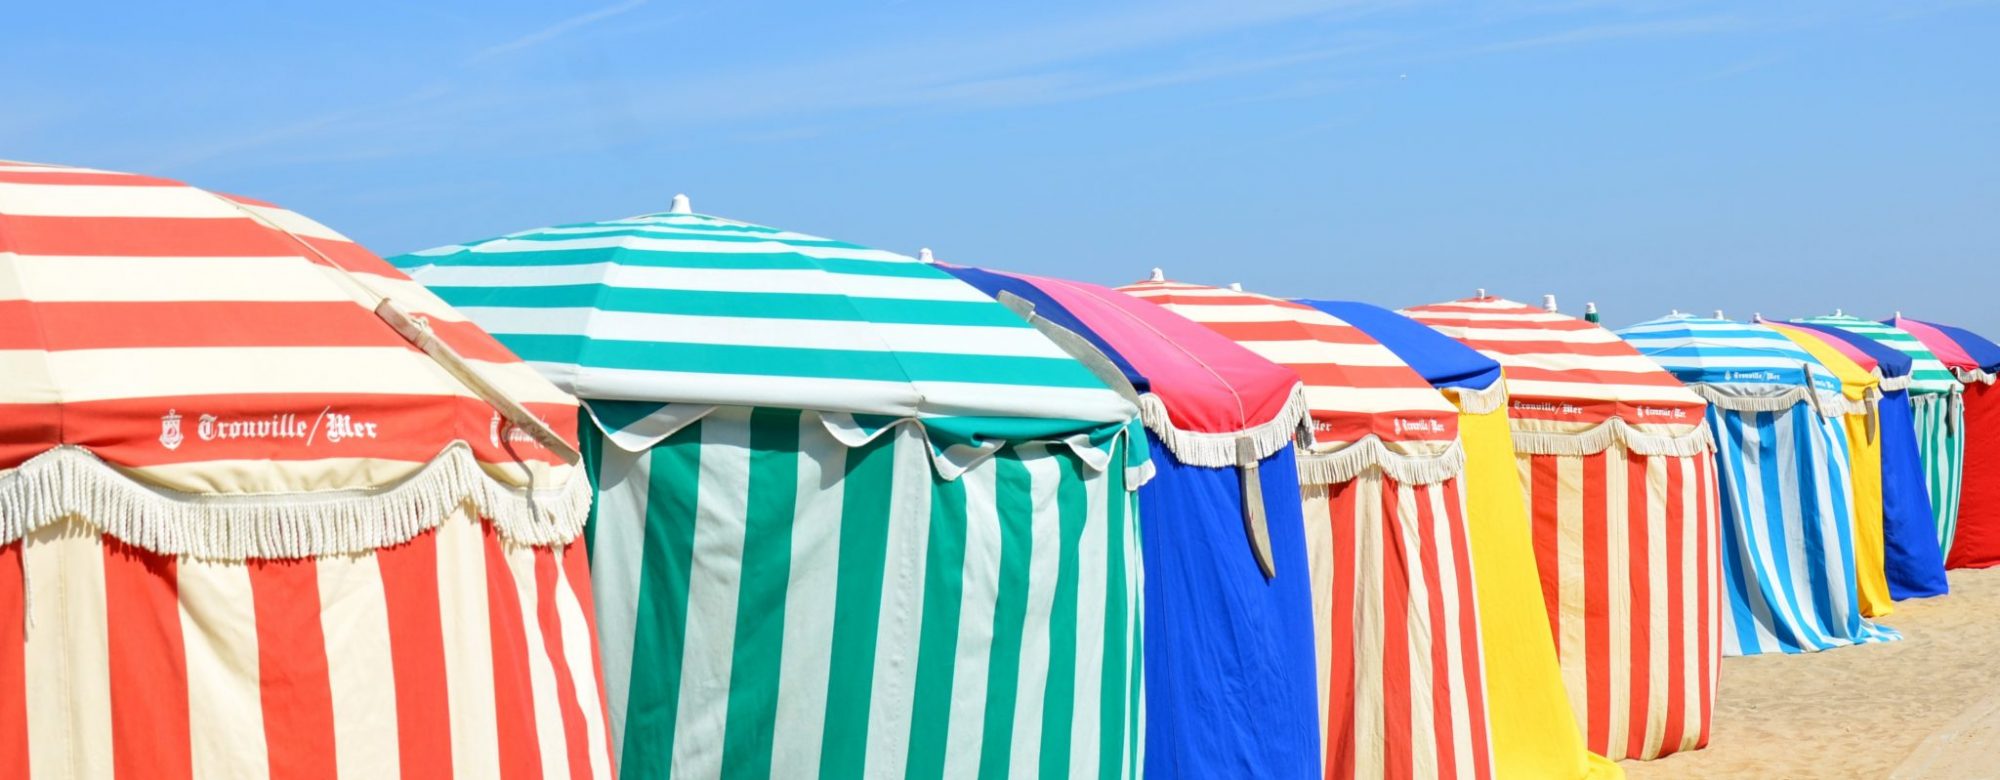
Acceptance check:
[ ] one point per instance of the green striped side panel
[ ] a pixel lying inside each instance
(1941, 442)
(772, 603)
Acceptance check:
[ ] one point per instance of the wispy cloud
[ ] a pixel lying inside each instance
(555, 31)
(1657, 28)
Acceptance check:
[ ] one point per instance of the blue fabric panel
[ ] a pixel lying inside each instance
(1441, 359)
(1912, 560)
(1895, 362)
(993, 284)
(1231, 673)
(1977, 347)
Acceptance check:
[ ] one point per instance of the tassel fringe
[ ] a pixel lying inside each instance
(1976, 375)
(1487, 401)
(1894, 383)
(1338, 467)
(1828, 404)
(1218, 450)
(70, 481)
(1600, 438)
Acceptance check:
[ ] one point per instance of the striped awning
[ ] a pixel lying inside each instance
(1199, 392)
(1368, 407)
(1738, 365)
(1970, 356)
(1568, 378)
(211, 375)
(1927, 373)
(655, 320)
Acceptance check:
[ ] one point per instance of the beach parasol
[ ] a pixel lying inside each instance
(1788, 560)
(1403, 691)
(1230, 672)
(1975, 361)
(1613, 452)
(1534, 730)
(855, 518)
(266, 506)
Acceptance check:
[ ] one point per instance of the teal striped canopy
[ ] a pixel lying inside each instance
(1927, 373)
(657, 319)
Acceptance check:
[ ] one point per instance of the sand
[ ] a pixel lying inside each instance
(1925, 707)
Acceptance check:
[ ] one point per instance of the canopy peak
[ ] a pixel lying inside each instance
(680, 205)
(924, 255)
(1158, 275)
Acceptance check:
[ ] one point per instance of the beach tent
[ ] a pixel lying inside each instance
(1402, 684)
(1938, 413)
(855, 518)
(1614, 455)
(1913, 562)
(1975, 360)
(1228, 638)
(255, 520)
(1534, 730)
(1788, 562)
(1861, 385)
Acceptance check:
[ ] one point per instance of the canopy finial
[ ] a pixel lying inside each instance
(681, 205)
(1673, 312)
(1718, 315)
(1590, 312)
(1757, 316)
(1158, 275)
(1899, 314)
(924, 255)
(1839, 312)
(1236, 286)
(1480, 294)
(1549, 302)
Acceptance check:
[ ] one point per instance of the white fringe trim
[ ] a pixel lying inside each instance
(1827, 404)
(1487, 401)
(70, 481)
(1600, 438)
(1218, 450)
(1891, 384)
(1338, 467)
(1976, 375)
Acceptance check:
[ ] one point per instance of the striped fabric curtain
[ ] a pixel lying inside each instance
(1941, 441)
(1788, 553)
(455, 654)
(1626, 545)
(1403, 693)
(774, 603)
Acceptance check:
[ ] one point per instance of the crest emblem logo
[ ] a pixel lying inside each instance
(170, 430)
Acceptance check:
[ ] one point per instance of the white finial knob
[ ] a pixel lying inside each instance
(1549, 302)
(1590, 307)
(680, 205)
(1899, 314)
(1718, 315)
(1839, 312)
(1236, 286)
(1673, 312)
(924, 255)
(1158, 275)
(1480, 294)
(1757, 317)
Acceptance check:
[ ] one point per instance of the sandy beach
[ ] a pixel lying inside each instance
(1925, 707)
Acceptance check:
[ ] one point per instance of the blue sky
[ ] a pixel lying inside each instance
(1783, 157)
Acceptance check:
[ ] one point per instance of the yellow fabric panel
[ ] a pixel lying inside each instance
(1866, 453)
(1534, 729)
(1865, 450)
(1854, 381)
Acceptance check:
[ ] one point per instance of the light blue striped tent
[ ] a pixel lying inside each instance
(854, 518)
(1787, 492)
